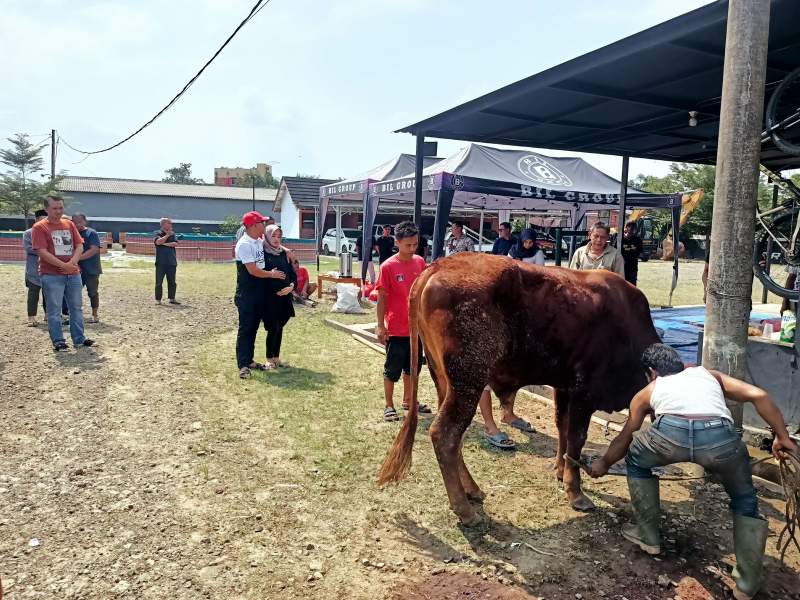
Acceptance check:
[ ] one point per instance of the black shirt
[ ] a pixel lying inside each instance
(501, 246)
(422, 246)
(631, 249)
(385, 248)
(359, 244)
(166, 255)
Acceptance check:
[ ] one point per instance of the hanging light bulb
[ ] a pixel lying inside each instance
(692, 118)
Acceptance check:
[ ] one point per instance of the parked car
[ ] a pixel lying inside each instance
(347, 241)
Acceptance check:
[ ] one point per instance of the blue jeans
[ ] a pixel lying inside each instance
(710, 443)
(58, 288)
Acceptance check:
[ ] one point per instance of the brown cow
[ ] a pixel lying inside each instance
(489, 319)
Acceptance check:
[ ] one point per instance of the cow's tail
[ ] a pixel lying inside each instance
(397, 463)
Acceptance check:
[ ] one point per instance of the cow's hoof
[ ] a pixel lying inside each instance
(581, 502)
(477, 497)
(470, 518)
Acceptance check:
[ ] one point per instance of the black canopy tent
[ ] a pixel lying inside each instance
(357, 189)
(486, 178)
(655, 94)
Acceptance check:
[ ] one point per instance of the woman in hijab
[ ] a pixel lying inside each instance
(278, 304)
(526, 248)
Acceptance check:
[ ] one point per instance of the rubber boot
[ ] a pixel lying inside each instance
(749, 541)
(647, 509)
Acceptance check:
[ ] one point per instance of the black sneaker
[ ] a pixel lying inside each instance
(174, 302)
(88, 343)
(61, 347)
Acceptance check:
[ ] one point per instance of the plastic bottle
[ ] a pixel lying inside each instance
(788, 326)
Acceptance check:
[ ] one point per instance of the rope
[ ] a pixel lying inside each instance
(585, 468)
(789, 466)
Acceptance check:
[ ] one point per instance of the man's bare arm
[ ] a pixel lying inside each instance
(92, 251)
(640, 408)
(48, 257)
(741, 391)
(381, 314)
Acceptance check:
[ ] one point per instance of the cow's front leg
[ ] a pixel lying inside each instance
(578, 426)
(561, 398)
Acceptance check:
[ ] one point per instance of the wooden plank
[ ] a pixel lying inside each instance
(369, 344)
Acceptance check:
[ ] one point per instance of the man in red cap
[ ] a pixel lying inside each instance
(251, 291)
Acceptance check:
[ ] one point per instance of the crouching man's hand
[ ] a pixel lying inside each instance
(598, 468)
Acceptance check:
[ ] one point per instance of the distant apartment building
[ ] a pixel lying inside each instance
(231, 175)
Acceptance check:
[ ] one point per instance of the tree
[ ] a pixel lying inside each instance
(20, 190)
(685, 177)
(181, 174)
(261, 182)
(230, 225)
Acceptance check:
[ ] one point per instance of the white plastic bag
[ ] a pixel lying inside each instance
(347, 299)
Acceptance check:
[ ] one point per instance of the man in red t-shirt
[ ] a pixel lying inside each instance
(59, 245)
(398, 274)
(302, 293)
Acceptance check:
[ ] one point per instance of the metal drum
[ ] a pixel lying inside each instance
(345, 264)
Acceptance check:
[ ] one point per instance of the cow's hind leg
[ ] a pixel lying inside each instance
(447, 430)
(562, 409)
(578, 417)
(473, 491)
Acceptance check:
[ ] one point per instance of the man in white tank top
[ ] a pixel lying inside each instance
(693, 424)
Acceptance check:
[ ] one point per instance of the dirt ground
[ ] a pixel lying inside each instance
(145, 469)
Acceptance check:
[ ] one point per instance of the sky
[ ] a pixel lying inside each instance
(310, 86)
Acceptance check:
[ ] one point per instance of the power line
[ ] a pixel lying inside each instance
(253, 12)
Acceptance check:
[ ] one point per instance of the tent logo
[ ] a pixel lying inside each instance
(539, 170)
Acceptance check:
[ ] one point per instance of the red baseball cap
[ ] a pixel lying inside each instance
(251, 218)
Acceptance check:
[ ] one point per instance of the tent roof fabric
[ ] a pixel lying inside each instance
(489, 178)
(526, 167)
(631, 97)
(400, 166)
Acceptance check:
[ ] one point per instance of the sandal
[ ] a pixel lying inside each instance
(500, 440)
(522, 425)
(390, 414)
(244, 373)
(421, 408)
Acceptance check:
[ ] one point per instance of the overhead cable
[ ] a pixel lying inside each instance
(253, 12)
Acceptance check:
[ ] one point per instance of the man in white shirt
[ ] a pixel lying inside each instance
(693, 424)
(250, 290)
(598, 254)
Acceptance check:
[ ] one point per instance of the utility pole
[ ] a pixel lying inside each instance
(730, 277)
(52, 154)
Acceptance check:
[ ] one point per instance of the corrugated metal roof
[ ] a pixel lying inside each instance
(140, 187)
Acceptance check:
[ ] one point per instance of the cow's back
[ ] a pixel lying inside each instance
(522, 325)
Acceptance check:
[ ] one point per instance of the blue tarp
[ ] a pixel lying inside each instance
(678, 327)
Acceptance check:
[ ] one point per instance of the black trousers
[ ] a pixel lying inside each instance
(631, 273)
(33, 298)
(274, 339)
(250, 318)
(169, 272)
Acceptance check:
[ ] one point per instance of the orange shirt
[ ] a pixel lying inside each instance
(59, 239)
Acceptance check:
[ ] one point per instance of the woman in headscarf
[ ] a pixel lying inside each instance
(526, 249)
(278, 305)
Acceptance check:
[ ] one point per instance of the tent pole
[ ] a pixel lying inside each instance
(338, 229)
(444, 200)
(623, 199)
(418, 164)
(730, 276)
(480, 232)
